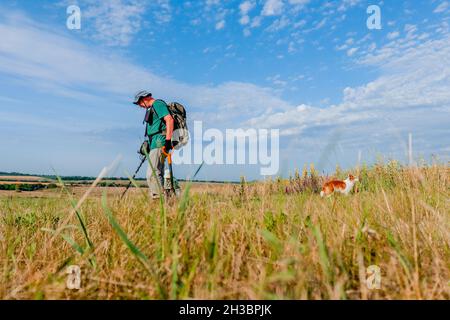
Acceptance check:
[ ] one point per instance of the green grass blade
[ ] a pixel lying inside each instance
(142, 258)
(183, 203)
(73, 243)
(174, 285)
(68, 239)
(406, 264)
(323, 251)
(80, 220)
(122, 235)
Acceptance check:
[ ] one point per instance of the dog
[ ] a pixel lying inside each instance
(338, 186)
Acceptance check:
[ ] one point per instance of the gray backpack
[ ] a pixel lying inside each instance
(180, 135)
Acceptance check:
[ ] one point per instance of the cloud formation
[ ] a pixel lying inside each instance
(116, 22)
(411, 95)
(62, 66)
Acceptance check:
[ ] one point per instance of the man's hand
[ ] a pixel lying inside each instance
(168, 145)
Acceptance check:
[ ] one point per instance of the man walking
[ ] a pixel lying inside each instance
(159, 129)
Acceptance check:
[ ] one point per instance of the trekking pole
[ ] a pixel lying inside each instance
(169, 161)
(131, 181)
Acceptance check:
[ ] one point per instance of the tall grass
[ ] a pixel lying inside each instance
(264, 240)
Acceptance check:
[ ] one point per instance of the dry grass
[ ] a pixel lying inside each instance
(251, 241)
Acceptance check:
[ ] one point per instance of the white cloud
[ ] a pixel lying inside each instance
(289, 10)
(410, 28)
(256, 22)
(291, 47)
(244, 8)
(393, 35)
(116, 21)
(196, 21)
(416, 76)
(410, 95)
(272, 8)
(444, 6)
(346, 4)
(352, 51)
(299, 2)
(220, 25)
(278, 24)
(244, 20)
(320, 24)
(299, 24)
(61, 66)
(210, 3)
(208, 50)
(216, 12)
(277, 81)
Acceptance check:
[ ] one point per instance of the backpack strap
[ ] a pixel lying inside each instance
(149, 119)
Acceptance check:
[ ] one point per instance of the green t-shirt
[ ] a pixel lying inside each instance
(159, 112)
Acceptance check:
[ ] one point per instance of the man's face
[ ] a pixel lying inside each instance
(145, 102)
(141, 103)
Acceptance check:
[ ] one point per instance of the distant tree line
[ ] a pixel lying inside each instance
(27, 187)
(64, 178)
(83, 178)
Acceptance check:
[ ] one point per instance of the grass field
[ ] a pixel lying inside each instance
(266, 240)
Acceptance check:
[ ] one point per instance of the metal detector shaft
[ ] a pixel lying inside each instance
(131, 181)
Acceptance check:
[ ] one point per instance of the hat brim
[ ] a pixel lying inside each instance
(139, 99)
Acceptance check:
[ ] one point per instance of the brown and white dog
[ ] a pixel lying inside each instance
(338, 186)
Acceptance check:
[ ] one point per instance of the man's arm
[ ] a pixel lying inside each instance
(169, 126)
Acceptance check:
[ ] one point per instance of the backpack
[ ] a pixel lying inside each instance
(180, 136)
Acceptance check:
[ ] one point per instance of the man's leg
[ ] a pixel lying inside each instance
(157, 162)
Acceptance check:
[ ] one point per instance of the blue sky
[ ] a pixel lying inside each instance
(312, 69)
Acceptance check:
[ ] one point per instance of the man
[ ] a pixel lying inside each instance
(159, 130)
